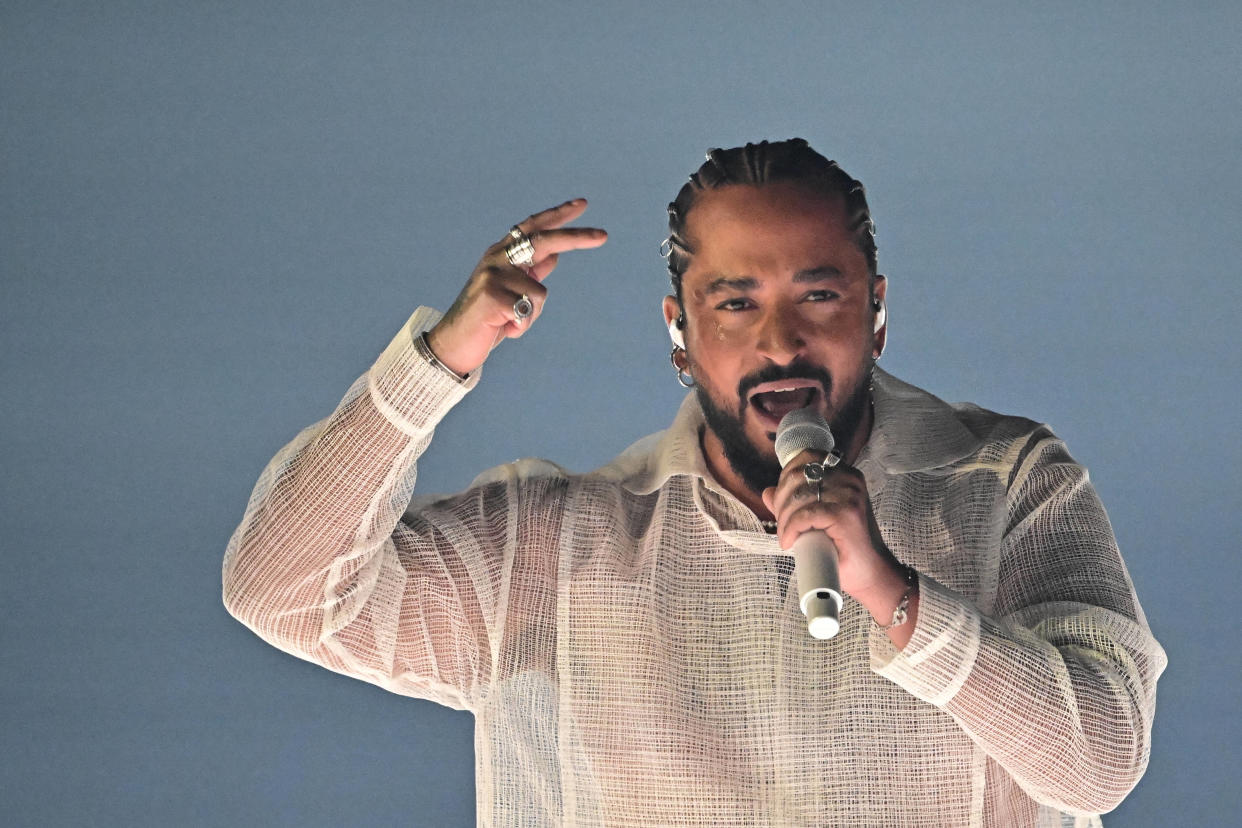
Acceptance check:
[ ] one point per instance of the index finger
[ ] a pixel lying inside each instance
(553, 217)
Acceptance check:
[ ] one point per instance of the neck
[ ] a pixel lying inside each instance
(722, 471)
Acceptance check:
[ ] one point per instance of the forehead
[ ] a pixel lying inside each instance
(769, 230)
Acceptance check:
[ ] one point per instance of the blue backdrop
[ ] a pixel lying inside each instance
(213, 216)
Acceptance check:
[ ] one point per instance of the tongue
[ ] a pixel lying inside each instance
(780, 403)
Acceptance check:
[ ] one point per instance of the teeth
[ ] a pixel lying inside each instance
(764, 400)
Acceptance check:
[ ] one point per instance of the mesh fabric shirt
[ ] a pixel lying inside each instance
(631, 647)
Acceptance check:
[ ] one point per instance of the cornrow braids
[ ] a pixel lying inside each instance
(762, 163)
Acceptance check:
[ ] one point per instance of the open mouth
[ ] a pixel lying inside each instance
(773, 400)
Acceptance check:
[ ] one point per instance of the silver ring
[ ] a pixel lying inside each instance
(523, 308)
(521, 251)
(814, 474)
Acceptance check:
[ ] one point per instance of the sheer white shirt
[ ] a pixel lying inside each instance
(632, 651)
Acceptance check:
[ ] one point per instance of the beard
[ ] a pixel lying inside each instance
(759, 468)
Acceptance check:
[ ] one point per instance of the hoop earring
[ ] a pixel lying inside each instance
(683, 376)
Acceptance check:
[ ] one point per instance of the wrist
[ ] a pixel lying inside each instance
(445, 355)
(906, 607)
(894, 591)
(422, 343)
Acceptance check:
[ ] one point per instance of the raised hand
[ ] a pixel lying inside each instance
(484, 312)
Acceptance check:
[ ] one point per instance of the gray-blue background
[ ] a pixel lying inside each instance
(213, 216)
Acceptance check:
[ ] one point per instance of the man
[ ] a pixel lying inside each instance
(629, 640)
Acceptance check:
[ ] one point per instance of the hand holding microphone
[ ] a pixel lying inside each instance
(815, 555)
(828, 525)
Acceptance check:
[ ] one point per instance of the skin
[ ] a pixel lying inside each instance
(776, 280)
(482, 315)
(796, 291)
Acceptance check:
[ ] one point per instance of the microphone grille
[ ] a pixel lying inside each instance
(799, 431)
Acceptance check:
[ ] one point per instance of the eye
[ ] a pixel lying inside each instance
(820, 296)
(738, 304)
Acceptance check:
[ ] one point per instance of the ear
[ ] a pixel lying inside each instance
(879, 293)
(672, 313)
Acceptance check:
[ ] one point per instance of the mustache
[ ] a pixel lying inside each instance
(798, 369)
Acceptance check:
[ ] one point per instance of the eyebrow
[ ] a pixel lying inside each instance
(814, 274)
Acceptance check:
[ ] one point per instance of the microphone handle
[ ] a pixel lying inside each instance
(819, 585)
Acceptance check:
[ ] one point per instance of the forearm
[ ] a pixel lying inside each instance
(1057, 681)
(1065, 705)
(302, 560)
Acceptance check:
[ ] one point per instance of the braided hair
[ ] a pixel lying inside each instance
(763, 163)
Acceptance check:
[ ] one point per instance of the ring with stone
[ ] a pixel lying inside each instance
(523, 308)
(814, 474)
(521, 250)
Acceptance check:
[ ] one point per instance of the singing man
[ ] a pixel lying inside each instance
(631, 641)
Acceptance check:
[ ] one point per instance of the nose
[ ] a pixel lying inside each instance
(781, 336)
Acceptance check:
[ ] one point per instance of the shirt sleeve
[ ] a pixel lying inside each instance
(1058, 685)
(324, 567)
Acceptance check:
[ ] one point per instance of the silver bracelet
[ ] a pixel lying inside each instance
(424, 350)
(902, 613)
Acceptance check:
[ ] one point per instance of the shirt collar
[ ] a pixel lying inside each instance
(648, 464)
(913, 431)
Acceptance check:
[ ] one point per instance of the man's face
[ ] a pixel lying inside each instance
(778, 306)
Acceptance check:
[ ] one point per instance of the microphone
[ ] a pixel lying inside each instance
(815, 555)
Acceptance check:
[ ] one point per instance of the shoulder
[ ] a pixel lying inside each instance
(636, 466)
(652, 461)
(917, 431)
(997, 431)
(633, 466)
(494, 492)
(542, 484)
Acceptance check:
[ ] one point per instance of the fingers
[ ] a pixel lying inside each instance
(834, 505)
(552, 243)
(550, 238)
(508, 286)
(490, 306)
(540, 270)
(553, 217)
(833, 514)
(792, 483)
